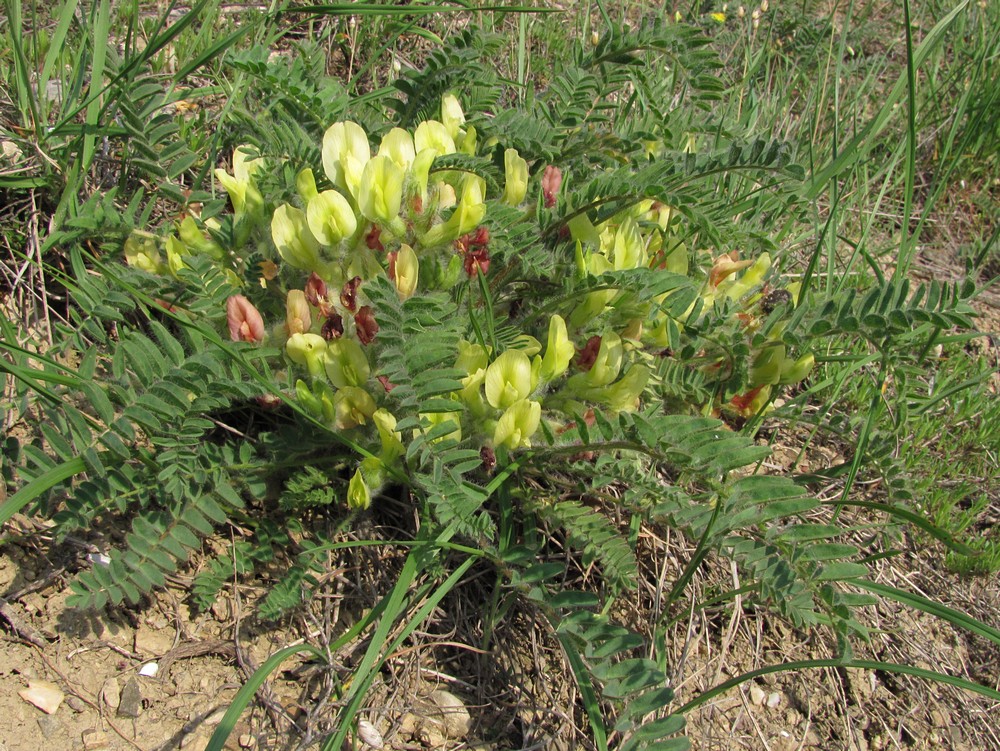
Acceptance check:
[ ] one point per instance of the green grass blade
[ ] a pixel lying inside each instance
(57, 42)
(913, 518)
(374, 9)
(377, 651)
(26, 103)
(888, 667)
(45, 481)
(101, 39)
(858, 147)
(583, 682)
(213, 51)
(246, 693)
(955, 617)
(906, 241)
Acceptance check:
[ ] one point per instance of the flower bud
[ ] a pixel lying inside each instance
(420, 173)
(308, 350)
(623, 396)
(796, 371)
(392, 440)
(404, 270)
(294, 240)
(330, 217)
(381, 191)
(515, 177)
(346, 363)
(508, 379)
(345, 154)
(397, 145)
(559, 351)
(517, 424)
(196, 242)
(141, 252)
(359, 497)
(240, 186)
(353, 406)
(466, 144)
(245, 322)
(607, 365)
(298, 317)
(628, 251)
(431, 134)
(308, 399)
(551, 182)
(176, 251)
(305, 184)
(767, 365)
(452, 116)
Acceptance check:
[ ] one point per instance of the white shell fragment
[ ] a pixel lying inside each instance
(44, 695)
(149, 669)
(99, 559)
(369, 735)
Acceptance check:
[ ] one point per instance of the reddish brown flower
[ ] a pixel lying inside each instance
(365, 324)
(742, 402)
(349, 294)
(316, 290)
(386, 383)
(333, 327)
(245, 323)
(477, 260)
(551, 181)
(586, 357)
(372, 239)
(488, 458)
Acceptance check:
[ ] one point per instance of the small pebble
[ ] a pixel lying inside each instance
(49, 725)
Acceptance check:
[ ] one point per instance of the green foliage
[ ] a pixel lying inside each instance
(546, 324)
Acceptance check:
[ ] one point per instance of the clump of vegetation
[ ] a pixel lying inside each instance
(567, 308)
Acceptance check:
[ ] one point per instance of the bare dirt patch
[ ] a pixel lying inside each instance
(516, 694)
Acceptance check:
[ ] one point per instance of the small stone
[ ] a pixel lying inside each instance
(153, 643)
(222, 609)
(131, 699)
(757, 695)
(149, 670)
(369, 734)
(773, 699)
(49, 725)
(216, 717)
(76, 703)
(247, 741)
(457, 720)
(44, 695)
(112, 693)
(95, 740)
(194, 742)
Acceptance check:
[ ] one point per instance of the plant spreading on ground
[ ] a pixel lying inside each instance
(511, 317)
